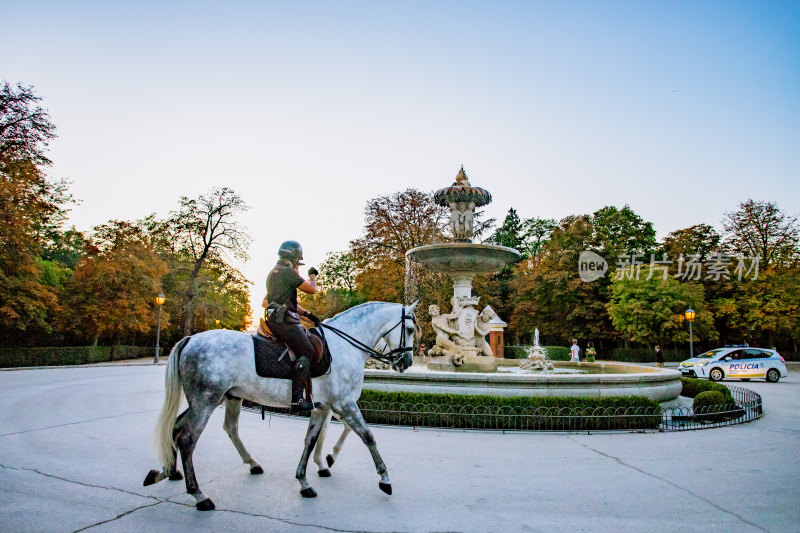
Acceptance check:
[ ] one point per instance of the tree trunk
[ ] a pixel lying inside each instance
(190, 296)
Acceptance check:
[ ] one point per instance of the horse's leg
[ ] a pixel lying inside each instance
(315, 423)
(194, 423)
(154, 476)
(351, 415)
(331, 457)
(322, 469)
(233, 407)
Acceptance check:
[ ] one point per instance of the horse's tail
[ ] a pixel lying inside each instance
(165, 445)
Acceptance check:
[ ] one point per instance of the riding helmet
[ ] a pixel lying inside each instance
(292, 251)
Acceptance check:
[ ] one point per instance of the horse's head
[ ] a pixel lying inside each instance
(400, 338)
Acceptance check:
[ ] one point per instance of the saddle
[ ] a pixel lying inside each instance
(273, 358)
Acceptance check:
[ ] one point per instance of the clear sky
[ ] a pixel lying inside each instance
(679, 109)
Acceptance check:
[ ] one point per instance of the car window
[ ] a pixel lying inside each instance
(735, 355)
(752, 354)
(710, 353)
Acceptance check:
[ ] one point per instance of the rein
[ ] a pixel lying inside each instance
(393, 356)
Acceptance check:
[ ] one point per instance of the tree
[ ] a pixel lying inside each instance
(110, 294)
(547, 293)
(761, 229)
(31, 207)
(537, 231)
(393, 225)
(511, 233)
(650, 311)
(205, 229)
(619, 232)
(25, 128)
(336, 289)
(701, 240)
(338, 272)
(757, 310)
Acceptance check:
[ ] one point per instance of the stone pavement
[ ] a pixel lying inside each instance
(75, 445)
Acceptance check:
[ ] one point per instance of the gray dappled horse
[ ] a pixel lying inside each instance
(218, 366)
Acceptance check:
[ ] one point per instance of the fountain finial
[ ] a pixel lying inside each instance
(461, 178)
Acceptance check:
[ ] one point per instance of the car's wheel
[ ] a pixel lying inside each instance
(716, 374)
(773, 375)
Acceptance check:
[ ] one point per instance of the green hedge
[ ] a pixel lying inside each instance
(70, 355)
(692, 387)
(643, 355)
(510, 413)
(554, 353)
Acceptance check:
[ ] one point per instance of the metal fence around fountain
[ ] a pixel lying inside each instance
(746, 407)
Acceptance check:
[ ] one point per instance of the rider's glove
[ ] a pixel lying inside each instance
(313, 318)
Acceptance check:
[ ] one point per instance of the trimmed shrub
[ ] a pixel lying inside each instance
(515, 352)
(510, 413)
(70, 355)
(709, 400)
(644, 355)
(692, 387)
(554, 353)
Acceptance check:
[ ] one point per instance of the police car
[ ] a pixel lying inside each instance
(736, 363)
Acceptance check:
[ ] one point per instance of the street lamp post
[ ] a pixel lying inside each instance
(689, 314)
(160, 299)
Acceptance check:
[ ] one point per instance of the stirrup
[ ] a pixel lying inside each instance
(304, 405)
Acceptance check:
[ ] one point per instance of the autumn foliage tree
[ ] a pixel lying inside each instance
(393, 225)
(110, 293)
(30, 206)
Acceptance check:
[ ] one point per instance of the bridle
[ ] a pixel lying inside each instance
(395, 355)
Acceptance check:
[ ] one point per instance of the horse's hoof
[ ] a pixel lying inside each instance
(385, 487)
(329, 459)
(176, 476)
(254, 470)
(150, 478)
(324, 473)
(309, 493)
(205, 505)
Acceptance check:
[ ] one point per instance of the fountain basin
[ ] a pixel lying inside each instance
(605, 379)
(463, 257)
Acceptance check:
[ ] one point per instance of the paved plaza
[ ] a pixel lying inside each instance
(75, 445)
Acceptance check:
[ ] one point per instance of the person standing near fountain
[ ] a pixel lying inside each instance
(591, 353)
(659, 357)
(576, 350)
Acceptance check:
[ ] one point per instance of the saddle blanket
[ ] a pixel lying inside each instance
(268, 351)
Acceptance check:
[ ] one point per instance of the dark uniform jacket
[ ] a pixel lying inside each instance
(282, 284)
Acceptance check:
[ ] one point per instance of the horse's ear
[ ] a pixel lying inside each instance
(411, 307)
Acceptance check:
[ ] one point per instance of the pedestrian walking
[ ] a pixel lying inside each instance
(576, 350)
(659, 357)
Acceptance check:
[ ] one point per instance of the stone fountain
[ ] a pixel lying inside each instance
(462, 363)
(460, 334)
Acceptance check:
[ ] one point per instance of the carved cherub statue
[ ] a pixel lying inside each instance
(482, 328)
(441, 326)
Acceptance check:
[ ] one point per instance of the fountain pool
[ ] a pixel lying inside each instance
(568, 379)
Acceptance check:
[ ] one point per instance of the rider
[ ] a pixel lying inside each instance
(283, 314)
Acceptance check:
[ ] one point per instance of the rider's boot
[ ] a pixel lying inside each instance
(299, 377)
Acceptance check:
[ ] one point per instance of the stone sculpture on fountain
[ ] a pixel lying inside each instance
(461, 333)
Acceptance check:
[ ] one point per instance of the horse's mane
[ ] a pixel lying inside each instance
(360, 310)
